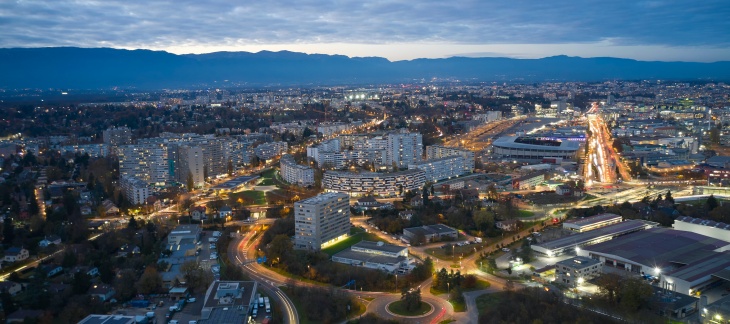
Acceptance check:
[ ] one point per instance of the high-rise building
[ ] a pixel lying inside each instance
(148, 162)
(135, 190)
(441, 168)
(321, 220)
(294, 173)
(189, 160)
(116, 136)
(404, 149)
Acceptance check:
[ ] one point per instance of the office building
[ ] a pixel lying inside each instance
(575, 271)
(321, 220)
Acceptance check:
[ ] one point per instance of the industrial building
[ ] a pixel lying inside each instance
(376, 255)
(431, 233)
(571, 242)
(718, 230)
(228, 302)
(685, 262)
(590, 223)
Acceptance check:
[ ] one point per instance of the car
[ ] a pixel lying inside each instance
(213, 256)
(505, 249)
(160, 303)
(191, 300)
(168, 315)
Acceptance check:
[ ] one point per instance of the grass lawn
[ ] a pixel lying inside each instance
(397, 307)
(525, 213)
(466, 250)
(481, 285)
(356, 235)
(459, 307)
(256, 197)
(488, 301)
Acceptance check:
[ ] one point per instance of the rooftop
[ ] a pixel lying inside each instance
(521, 143)
(591, 220)
(235, 182)
(368, 257)
(585, 237)
(108, 319)
(323, 197)
(431, 229)
(379, 246)
(578, 262)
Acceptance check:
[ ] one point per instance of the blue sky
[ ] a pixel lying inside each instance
(646, 30)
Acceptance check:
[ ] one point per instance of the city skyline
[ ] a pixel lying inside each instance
(647, 30)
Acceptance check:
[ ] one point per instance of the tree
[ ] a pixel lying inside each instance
(307, 132)
(715, 135)
(492, 193)
(123, 284)
(411, 298)
(8, 231)
(711, 203)
(150, 282)
(81, 283)
(132, 223)
(669, 197)
(195, 276)
(280, 246)
(190, 182)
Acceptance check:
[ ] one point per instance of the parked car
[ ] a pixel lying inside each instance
(505, 249)
(191, 300)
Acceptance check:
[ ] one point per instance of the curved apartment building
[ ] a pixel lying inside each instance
(380, 184)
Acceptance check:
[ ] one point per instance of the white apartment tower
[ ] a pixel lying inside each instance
(115, 136)
(404, 149)
(148, 162)
(135, 190)
(321, 220)
(438, 151)
(189, 159)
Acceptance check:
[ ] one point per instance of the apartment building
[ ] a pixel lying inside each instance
(189, 162)
(380, 184)
(294, 173)
(321, 220)
(441, 168)
(135, 190)
(116, 136)
(438, 151)
(268, 151)
(404, 149)
(148, 162)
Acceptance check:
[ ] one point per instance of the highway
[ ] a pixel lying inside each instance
(602, 160)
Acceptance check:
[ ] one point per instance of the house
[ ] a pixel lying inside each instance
(109, 208)
(86, 210)
(101, 292)
(417, 201)
(507, 225)
(20, 315)
(563, 190)
(198, 213)
(406, 214)
(13, 288)
(90, 271)
(15, 254)
(469, 194)
(48, 240)
(51, 269)
(369, 203)
(126, 249)
(224, 212)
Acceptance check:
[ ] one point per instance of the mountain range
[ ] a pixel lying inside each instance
(101, 68)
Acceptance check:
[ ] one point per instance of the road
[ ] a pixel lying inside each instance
(603, 161)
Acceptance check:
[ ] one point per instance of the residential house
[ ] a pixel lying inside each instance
(198, 213)
(468, 194)
(406, 214)
(90, 271)
(101, 292)
(13, 288)
(417, 201)
(48, 240)
(563, 190)
(21, 315)
(224, 212)
(109, 208)
(507, 225)
(51, 269)
(15, 254)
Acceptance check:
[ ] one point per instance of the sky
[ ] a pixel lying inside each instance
(672, 30)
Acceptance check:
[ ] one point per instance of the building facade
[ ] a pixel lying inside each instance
(381, 184)
(294, 173)
(438, 151)
(533, 149)
(404, 149)
(575, 271)
(321, 220)
(135, 190)
(441, 168)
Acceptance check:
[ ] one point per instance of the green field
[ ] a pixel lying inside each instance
(253, 197)
(356, 235)
(481, 285)
(525, 213)
(397, 307)
(267, 178)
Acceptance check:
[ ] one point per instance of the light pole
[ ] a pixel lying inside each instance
(396, 283)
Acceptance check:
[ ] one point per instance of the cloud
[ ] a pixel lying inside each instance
(233, 23)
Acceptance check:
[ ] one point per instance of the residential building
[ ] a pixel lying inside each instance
(528, 181)
(268, 151)
(294, 173)
(12, 288)
(101, 292)
(198, 213)
(441, 168)
(321, 220)
(116, 136)
(438, 151)
(135, 190)
(367, 183)
(575, 271)
(49, 240)
(189, 162)
(148, 162)
(404, 149)
(15, 254)
(509, 225)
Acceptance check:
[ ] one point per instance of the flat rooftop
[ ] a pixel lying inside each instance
(235, 182)
(578, 262)
(591, 220)
(323, 197)
(431, 229)
(367, 257)
(661, 247)
(585, 237)
(108, 319)
(379, 246)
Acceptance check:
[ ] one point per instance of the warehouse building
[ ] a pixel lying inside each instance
(590, 223)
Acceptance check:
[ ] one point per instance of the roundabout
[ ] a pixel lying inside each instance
(397, 308)
(435, 311)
